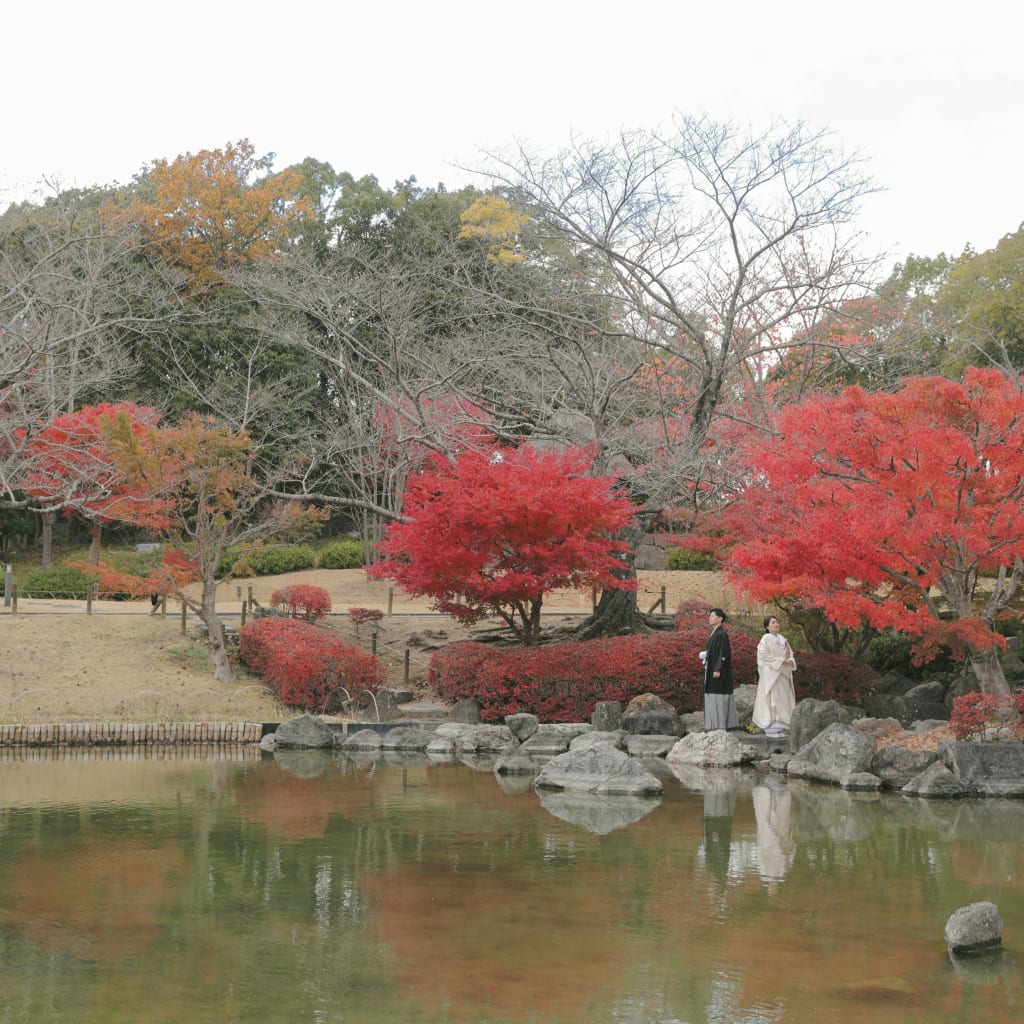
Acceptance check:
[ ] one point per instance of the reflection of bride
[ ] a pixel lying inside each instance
(774, 834)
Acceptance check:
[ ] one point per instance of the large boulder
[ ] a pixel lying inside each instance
(363, 739)
(986, 769)
(308, 732)
(466, 711)
(602, 770)
(896, 766)
(936, 782)
(586, 740)
(834, 755)
(927, 700)
(717, 749)
(745, 696)
(485, 739)
(976, 928)
(554, 738)
(812, 717)
(607, 716)
(650, 746)
(650, 715)
(523, 725)
(407, 737)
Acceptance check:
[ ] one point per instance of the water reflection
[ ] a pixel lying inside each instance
(331, 888)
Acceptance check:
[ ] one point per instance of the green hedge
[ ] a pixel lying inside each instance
(59, 581)
(342, 554)
(692, 561)
(272, 561)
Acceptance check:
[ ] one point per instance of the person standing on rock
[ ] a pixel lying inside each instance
(719, 703)
(773, 705)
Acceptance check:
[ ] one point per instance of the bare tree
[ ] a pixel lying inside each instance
(713, 245)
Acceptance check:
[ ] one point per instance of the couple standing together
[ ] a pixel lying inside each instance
(773, 706)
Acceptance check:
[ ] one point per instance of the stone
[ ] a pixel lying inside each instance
(383, 708)
(601, 770)
(692, 721)
(886, 705)
(875, 727)
(523, 725)
(976, 928)
(364, 739)
(407, 737)
(927, 700)
(466, 711)
(305, 732)
(834, 755)
(304, 764)
(936, 782)
(986, 769)
(894, 683)
(896, 766)
(554, 738)
(607, 716)
(649, 714)
(713, 749)
(862, 782)
(485, 739)
(269, 742)
(513, 761)
(586, 740)
(812, 717)
(744, 696)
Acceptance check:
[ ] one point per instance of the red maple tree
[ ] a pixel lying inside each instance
(69, 468)
(901, 510)
(494, 532)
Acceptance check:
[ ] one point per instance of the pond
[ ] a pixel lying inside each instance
(220, 885)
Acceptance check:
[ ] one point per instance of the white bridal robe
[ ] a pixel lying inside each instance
(775, 698)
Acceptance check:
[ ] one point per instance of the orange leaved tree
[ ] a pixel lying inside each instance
(204, 475)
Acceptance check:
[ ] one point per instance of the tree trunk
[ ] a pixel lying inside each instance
(617, 613)
(222, 669)
(988, 670)
(95, 534)
(47, 525)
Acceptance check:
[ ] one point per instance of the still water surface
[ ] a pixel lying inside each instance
(222, 886)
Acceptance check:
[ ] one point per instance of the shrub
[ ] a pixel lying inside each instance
(302, 601)
(341, 554)
(272, 561)
(309, 667)
(974, 712)
(683, 558)
(59, 581)
(563, 682)
(827, 676)
(361, 616)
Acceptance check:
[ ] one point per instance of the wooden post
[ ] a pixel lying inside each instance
(243, 614)
(250, 597)
(14, 599)
(407, 652)
(88, 600)
(391, 599)
(184, 613)
(163, 606)
(373, 643)
(593, 599)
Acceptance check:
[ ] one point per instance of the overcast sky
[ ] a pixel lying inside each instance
(931, 94)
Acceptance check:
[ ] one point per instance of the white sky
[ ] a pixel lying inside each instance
(931, 93)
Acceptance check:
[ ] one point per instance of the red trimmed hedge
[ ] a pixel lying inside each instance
(307, 665)
(563, 682)
(302, 600)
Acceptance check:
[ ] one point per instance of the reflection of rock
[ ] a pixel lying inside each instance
(824, 812)
(703, 780)
(405, 758)
(597, 814)
(987, 969)
(305, 764)
(976, 928)
(407, 737)
(306, 731)
(515, 785)
(514, 762)
(719, 807)
(478, 762)
(935, 782)
(601, 770)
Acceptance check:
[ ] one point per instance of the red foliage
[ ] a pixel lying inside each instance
(309, 667)
(563, 682)
(974, 712)
(494, 533)
(302, 600)
(361, 616)
(70, 462)
(864, 503)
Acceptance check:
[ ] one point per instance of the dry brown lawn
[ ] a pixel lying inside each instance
(120, 663)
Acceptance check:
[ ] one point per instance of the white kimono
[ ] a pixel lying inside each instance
(775, 697)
